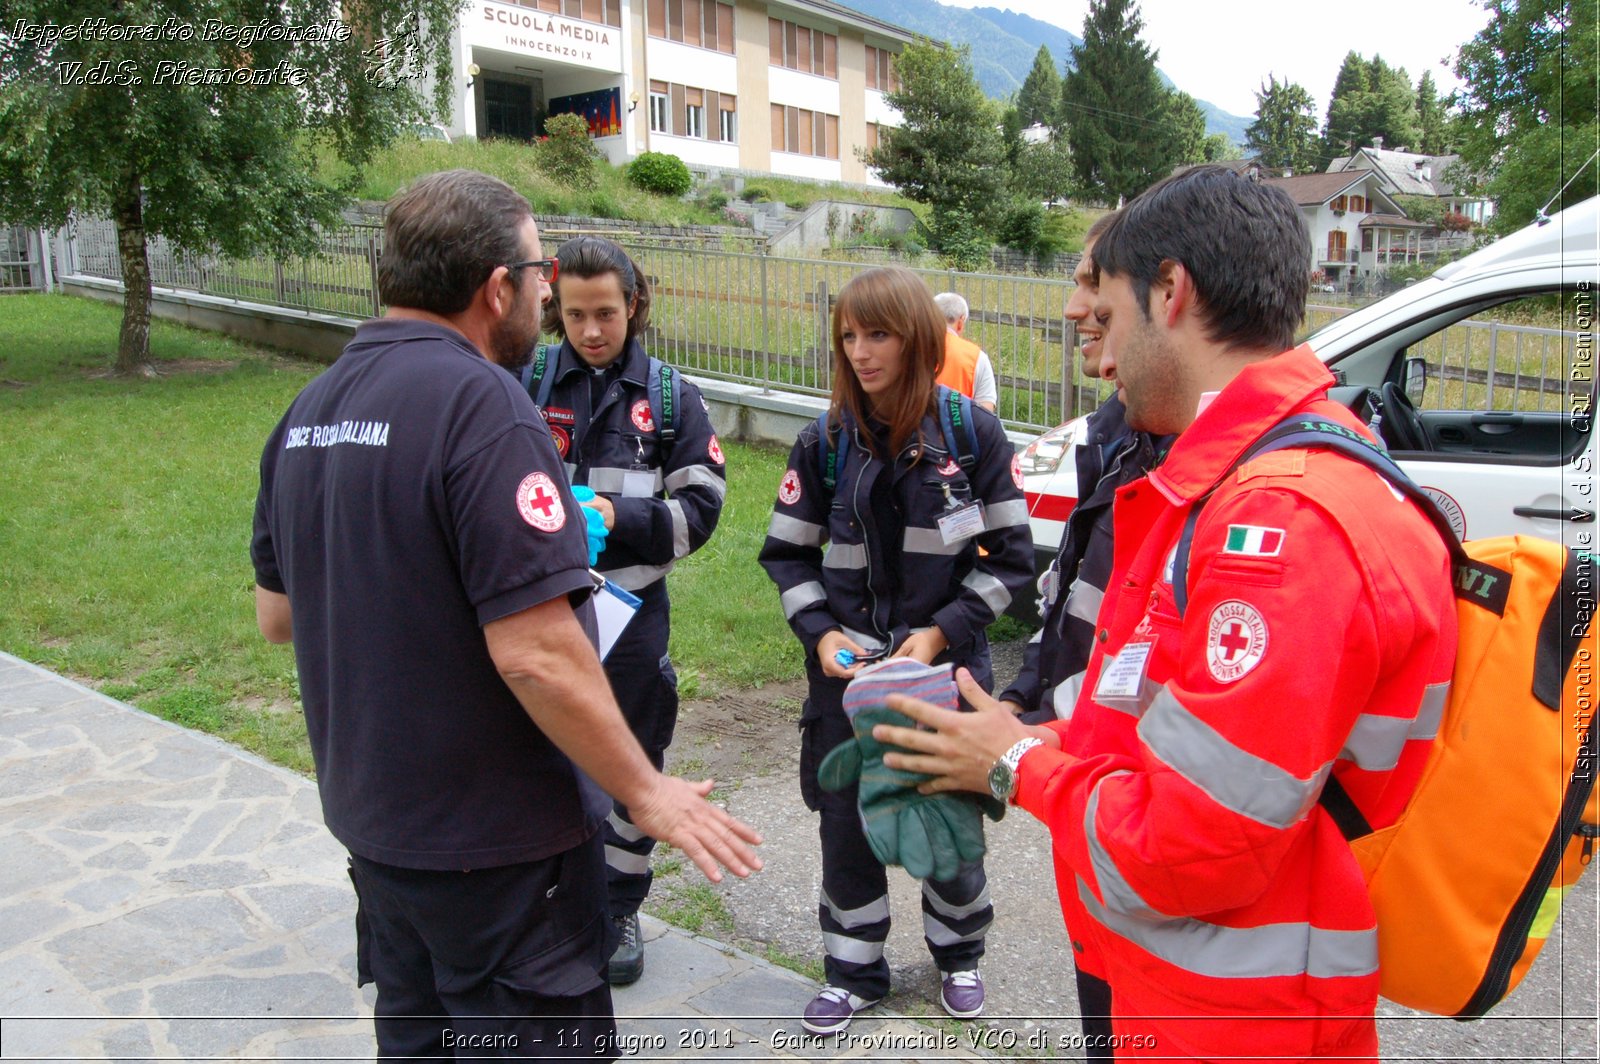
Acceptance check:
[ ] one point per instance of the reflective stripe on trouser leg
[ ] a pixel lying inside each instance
(956, 914)
(645, 687)
(854, 908)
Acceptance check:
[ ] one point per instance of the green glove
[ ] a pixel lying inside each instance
(930, 835)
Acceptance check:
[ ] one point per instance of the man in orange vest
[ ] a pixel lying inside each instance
(1182, 793)
(966, 366)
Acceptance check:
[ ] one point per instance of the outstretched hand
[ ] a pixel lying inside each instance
(960, 748)
(676, 812)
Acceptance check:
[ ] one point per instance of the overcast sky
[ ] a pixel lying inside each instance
(1223, 51)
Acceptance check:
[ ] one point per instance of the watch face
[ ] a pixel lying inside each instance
(1001, 781)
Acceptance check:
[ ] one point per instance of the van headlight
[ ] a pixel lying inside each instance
(1043, 456)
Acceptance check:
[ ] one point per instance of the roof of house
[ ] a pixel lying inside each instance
(1405, 173)
(860, 20)
(1392, 221)
(1310, 190)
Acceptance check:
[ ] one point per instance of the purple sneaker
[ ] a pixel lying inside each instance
(833, 1008)
(961, 993)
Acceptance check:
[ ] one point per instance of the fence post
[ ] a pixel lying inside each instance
(42, 236)
(824, 346)
(1069, 340)
(1494, 360)
(766, 330)
(277, 282)
(372, 264)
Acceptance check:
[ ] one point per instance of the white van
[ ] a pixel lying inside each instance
(1480, 379)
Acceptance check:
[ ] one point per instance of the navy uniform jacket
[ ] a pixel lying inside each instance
(886, 571)
(669, 507)
(1055, 658)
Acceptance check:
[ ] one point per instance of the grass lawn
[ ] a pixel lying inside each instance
(125, 511)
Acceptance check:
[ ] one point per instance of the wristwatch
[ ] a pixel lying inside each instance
(1003, 776)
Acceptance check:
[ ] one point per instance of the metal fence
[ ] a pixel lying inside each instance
(22, 260)
(751, 317)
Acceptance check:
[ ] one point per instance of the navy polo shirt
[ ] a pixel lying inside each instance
(412, 494)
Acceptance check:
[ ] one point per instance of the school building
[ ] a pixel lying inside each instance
(790, 87)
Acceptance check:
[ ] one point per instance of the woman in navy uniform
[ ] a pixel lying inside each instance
(658, 476)
(904, 499)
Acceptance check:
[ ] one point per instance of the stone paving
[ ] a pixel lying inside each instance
(168, 896)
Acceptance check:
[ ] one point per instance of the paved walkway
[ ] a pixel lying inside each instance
(164, 895)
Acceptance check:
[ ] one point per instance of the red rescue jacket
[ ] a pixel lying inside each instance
(1225, 906)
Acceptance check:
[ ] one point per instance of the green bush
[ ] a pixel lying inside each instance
(566, 153)
(755, 194)
(960, 240)
(663, 174)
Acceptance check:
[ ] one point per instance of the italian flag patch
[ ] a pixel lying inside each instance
(1253, 540)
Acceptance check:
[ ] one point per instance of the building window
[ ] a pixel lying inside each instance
(802, 48)
(1337, 203)
(881, 74)
(659, 104)
(1336, 245)
(694, 113)
(801, 132)
(606, 11)
(702, 23)
(1358, 203)
(681, 110)
(871, 143)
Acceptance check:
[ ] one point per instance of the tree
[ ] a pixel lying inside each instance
(1218, 148)
(1114, 106)
(1039, 98)
(1187, 128)
(1433, 124)
(947, 151)
(204, 128)
(1371, 100)
(1284, 134)
(1528, 120)
(1043, 171)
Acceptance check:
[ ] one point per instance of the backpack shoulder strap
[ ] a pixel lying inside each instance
(1309, 431)
(663, 394)
(955, 422)
(833, 444)
(536, 375)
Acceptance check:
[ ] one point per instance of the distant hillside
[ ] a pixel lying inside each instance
(1004, 44)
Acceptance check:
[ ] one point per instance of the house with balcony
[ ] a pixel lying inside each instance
(1404, 173)
(1335, 207)
(789, 87)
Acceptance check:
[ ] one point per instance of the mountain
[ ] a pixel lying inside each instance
(1004, 44)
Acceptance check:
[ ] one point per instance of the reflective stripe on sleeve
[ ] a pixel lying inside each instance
(698, 476)
(851, 950)
(1013, 514)
(1235, 779)
(629, 864)
(1064, 699)
(1083, 601)
(626, 831)
(793, 530)
(1218, 952)
(941, 935)
(1119, 896)
(990, 589)
(1376, 742)
(956, 912)
(800, 596)
(608, 479)
(680, 529)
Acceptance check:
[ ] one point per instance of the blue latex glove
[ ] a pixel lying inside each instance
(596, 522)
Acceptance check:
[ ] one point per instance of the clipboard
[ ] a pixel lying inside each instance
(614, 607)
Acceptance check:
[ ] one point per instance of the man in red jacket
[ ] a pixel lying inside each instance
(1313, 635)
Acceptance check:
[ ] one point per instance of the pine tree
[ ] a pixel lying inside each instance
(1371, 100)
(1284, 134)
(1432, 122)
(1114, 107)
(1039, 97)
(1188, 128)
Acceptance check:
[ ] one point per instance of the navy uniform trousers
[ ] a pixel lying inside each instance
(854, 907)
(646, 689)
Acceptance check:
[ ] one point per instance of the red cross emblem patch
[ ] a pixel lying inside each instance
(1236, 640)
(539, 503)
(789, 489)
(640, 412)
(714, 450)
(1016, 470)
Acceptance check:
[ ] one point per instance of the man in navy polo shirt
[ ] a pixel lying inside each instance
(416, 539)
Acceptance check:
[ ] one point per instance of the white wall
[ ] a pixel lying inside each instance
(794, 89)
(684, 64)
(697, 152)
(785, 163)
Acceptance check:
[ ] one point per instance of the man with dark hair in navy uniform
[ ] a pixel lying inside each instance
(416, 539)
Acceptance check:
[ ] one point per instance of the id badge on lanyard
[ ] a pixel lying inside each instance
(1122, 677)
(960, 520)
(639, 482)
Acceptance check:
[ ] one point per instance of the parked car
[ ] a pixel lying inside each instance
(1479, 379)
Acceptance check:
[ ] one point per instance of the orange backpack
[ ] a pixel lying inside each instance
(1468, 881)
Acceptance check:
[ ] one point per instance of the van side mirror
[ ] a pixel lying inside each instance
(1415, 379)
